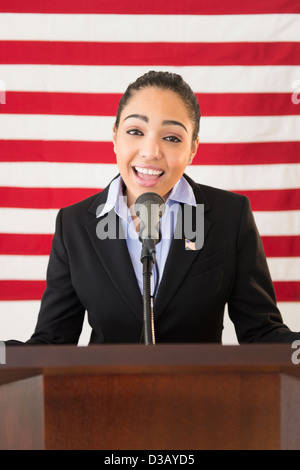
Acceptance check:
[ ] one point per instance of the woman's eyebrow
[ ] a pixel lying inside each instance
(168, 122)
(137, 116)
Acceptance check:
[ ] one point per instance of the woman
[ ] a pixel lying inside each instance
(96, 269)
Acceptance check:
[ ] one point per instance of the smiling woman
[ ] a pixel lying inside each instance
(153, 141)
(155, 137)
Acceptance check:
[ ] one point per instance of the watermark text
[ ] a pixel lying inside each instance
(2, 92)
(2, 353)
(296, 354)
(296, 94)
(184, 222)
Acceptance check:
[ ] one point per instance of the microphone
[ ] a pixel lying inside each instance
(149, 207)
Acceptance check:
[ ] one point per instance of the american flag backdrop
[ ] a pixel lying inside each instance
(63, 67)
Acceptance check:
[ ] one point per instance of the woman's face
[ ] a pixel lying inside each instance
(153, 142)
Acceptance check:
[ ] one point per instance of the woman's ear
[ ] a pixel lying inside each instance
(193, 150)
(114, 137)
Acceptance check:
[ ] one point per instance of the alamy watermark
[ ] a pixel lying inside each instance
(296, 354)
(2, 353)
(184, 222)
(296, 87)
(2, 92)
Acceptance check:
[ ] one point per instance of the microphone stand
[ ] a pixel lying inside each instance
(149, 207)
(148, 252)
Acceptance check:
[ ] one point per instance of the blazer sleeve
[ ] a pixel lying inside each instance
(61, 313)
(252, 303)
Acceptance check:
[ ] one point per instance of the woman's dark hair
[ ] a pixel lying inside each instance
(165, 81)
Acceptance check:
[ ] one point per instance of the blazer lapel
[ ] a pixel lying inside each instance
(180, 259)
(114, 256)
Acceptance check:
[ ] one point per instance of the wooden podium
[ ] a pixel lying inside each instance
(163, 397)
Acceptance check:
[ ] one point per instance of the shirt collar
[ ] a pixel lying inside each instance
(115, 192)
(180, 193)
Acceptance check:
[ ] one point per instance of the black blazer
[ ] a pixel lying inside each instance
(93, 275)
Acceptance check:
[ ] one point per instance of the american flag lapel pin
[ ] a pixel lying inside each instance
(189, 245)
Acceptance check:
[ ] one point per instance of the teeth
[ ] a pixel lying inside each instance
(147, 171)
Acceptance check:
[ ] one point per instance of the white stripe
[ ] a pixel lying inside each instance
(15, 267)
(278, 223)
(99, 128)
(290, 312)
(245, 177)
(115, 79)
(42, 221)
(52, 127)
(249, 129)
(57, 175)
(23, 268)
(27, 221)
(284, 269)
(18, 321)
(34, 268)
(92, 175)
(150, 28)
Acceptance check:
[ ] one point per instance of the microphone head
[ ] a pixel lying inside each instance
(149, 207)
(150, 198)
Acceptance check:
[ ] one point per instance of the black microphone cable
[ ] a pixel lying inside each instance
(156, 273)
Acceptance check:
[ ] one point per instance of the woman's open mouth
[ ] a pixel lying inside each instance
(147, 176)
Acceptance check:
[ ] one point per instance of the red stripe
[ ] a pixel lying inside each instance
(40, 244)
(101, 104)
(251, 153)
(166, 54)
(43, 198)
(56, 151)
(273, 199)
(55, 198)
(88, 104)
(102, 152)
(287, 291)
(247, 104)
(23, 244)
(22, 290)
(33, 290)
(281, 246)
(217, 7)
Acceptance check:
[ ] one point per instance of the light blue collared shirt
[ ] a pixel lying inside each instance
(181, 193)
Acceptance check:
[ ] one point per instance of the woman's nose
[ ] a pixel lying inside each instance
(150, 148)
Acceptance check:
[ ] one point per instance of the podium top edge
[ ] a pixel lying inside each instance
(30, 360)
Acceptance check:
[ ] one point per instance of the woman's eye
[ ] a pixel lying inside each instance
(134, 132)
(172, 138)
